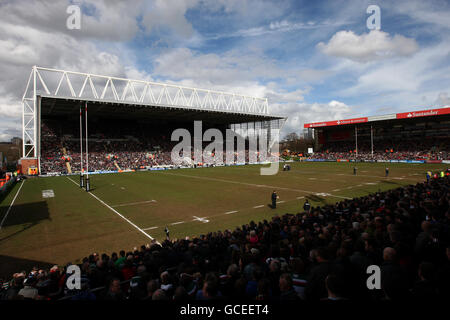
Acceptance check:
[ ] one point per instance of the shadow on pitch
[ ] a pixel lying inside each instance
(316, 199)
(25, 215)
(394, 183)
(10, 265)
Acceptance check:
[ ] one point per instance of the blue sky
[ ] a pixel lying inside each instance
(313, 60)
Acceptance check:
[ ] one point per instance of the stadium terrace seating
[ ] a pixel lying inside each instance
(133, 146)
(125, 145)
(311, 256)
(129, 147)
(431, 149)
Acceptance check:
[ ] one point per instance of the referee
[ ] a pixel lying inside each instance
(274, 199)
(166, 230)
(307, 206)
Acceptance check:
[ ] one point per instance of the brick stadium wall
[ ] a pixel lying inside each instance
(24, 164)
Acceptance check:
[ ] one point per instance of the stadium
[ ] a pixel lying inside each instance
(415, 137)
(148, 228)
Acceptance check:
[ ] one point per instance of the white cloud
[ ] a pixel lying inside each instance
(434, 13)
(301, 113)
(169, 14)
(231, 68)
(9, 107)
(402, 83)
(443, 99)
(100, 23)
(375, 45)
(38, 36)
(27, 42)
(10, 117)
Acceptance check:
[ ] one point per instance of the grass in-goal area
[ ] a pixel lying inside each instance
(130, 209)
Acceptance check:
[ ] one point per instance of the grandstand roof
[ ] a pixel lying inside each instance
(70, 85)
(62, 91)
(58, 106)
(403, 115)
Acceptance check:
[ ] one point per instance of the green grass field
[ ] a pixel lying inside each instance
(129, 209)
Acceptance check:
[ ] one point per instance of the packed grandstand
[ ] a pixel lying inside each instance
(420, 136)
(118, 145)
(322, 253)
(112, 147)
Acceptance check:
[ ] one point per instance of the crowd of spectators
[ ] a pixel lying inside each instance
(123, 149)
(322, 253)
(386, 150)
(129, 146)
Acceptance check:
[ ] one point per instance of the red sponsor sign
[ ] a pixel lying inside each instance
(335, 123)
(423, 113)
(433, 161)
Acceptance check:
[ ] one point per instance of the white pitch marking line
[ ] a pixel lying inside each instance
(230, 212)
(299, 198)
(204, 220)
(116, 212)
(10, 206)
(151, 228)
(256, 207)
(247, 184)
(179, 222)
(337, 190)
(280, 201)
(132, 203)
